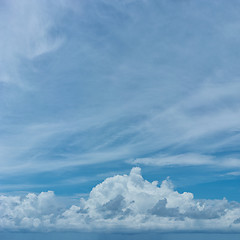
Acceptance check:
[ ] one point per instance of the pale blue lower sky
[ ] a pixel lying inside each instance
(108, 236)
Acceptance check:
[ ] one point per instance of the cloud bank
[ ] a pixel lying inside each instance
(121, 203)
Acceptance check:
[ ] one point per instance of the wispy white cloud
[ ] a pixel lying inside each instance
(25, 34)
(189, 159)
(175, 160)
(234, 173)
(111, 91)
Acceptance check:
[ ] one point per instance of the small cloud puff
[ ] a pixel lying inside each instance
(122, 203)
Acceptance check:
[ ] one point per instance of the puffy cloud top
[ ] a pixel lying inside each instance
(123, 203)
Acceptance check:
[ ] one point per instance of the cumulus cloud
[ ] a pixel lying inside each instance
(29, 212)
(122, 203)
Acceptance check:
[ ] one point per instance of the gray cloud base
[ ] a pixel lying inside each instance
(121, 203)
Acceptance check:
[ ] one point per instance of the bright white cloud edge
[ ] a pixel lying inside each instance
(121, 203)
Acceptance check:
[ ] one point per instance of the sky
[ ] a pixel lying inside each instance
(119, 117)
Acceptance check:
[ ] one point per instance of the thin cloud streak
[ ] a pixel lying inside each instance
(188, 159)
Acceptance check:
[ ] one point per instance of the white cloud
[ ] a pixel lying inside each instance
(25, 34)
(189, 159)
(233, 173)
(29, 212)
(122, 203)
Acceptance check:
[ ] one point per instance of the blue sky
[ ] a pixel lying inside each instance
(91, 89)
(94, 236)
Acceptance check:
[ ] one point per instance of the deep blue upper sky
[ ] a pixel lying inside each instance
(90, 89)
